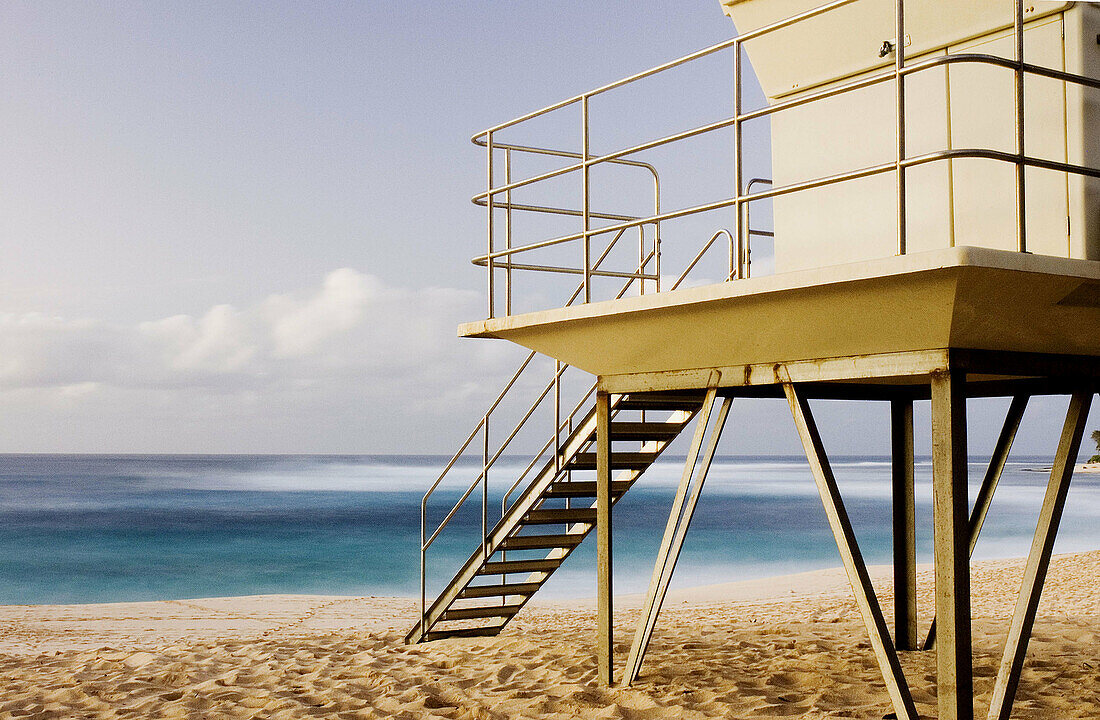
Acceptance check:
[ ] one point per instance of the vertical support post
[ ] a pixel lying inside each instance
(508, 230)
(1038, 560)
(905, 523)
(852, 558)
(989, 484)
(899, 82)
(557, 417)
(954, 652)
(586, 209)
(738, 147)
(676, 529)
(1021, 169)
(489, 209)
(485, 490)
(423, 566)
(605, 645)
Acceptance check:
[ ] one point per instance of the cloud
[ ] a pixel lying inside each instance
(349, 365)
(300, 328)
(353, 324)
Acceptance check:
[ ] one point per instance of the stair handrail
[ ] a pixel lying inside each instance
(490, 461)
(734, 253)
(482, 426)
(588, 270)
(560, 425)
(564, 425)
(503, 393)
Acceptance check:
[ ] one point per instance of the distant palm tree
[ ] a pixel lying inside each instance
(1096, 439)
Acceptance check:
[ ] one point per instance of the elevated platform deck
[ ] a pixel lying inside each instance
(960, 298)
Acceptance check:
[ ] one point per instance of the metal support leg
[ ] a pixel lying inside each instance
(989, 484)
(905, 523)
(676, 530)
(954, 652)
(853, 560)
(605, 645)
(1038, 560)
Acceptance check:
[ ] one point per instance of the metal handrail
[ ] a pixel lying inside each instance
(485, 418)
(735, 251)
(896, 72)
(488, 201)
(820, 182)
(718, 47)
(482, 426)
(473, 434)
(560, 424)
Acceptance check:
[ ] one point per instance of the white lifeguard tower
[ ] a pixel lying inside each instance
(935, 195)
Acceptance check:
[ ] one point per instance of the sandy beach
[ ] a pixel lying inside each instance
(791, 646)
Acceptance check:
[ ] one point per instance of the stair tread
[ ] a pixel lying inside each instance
(559, 516)
(507, 567)
(645, 430)
(487, 631)
(584, 488)
(476, 591)
(661, 401)
(474, 613)
(534, 542)
(619, 461)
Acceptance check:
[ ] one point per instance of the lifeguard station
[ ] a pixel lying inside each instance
(935, 198)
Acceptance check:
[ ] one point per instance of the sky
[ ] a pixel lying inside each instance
(246, 227)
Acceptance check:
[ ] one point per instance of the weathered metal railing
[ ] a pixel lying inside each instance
(498, 196)
(589, 269)
(561, 424)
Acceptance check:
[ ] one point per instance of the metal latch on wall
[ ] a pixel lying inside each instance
(891, 46)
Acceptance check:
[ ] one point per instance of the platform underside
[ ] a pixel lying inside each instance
(912, 308)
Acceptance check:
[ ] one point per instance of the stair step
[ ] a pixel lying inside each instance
(463, 632)
(583, 488)
(557, 517)
(473, 613)
(644, 430)
(508, 567)
(661, 401)
(532, 542)
(619, 461)
(479, 591)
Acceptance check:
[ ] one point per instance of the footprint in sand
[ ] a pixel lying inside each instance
(506, 672)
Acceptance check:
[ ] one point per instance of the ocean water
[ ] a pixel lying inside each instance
(99, 528)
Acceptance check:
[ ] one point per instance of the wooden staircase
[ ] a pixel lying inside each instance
(551, 517)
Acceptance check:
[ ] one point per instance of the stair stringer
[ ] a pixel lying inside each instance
(581, 437)
(549, 473)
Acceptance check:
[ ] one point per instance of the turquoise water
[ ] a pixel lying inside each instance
(96, 528)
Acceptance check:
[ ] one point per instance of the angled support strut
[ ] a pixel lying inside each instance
(1038, 560)
(676, 530)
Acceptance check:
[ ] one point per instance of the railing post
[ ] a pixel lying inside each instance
(508, 230)
(586, 263)
(738, 147)
(557, 417)
(423, 566)
(1021, 168)
(485, 491)
(489, 208)
(899, 84)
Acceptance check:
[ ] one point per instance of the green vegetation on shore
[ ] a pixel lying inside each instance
(1096, 439)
